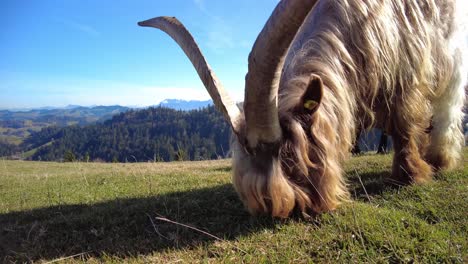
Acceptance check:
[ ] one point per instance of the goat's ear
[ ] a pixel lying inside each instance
(312, 96)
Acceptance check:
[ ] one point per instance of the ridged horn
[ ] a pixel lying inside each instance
(265, 64)
(176, 30)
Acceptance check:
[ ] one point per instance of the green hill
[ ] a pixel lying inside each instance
(153, 134)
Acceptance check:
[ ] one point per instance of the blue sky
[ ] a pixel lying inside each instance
(91, 52)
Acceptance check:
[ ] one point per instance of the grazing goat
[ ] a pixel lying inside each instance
(321, 70)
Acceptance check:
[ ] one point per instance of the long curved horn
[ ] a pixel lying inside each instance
(265, 64)
(176, 30)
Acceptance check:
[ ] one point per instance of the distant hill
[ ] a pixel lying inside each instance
(60, 116)
(184, 105)
(16, 125)
(26, 109)
(82, 115)
(160, 134)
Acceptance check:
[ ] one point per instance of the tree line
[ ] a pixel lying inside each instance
(153, 134)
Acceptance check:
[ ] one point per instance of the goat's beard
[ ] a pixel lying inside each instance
(299, 178)
(263, 191)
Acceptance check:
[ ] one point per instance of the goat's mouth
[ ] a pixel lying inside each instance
(261, 183)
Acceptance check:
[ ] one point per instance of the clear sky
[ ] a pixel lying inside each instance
(91, 52)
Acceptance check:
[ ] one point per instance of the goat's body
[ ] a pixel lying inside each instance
(397, 64)
(346, 65)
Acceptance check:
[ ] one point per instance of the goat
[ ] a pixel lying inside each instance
(319, 71)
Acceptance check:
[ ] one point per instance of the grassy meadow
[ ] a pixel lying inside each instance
(189, 212)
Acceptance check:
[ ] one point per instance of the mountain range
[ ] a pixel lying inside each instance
(184, 105)
(18, 124)
(89, 114)
(62, 116)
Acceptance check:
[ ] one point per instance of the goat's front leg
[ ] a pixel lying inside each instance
(410, 142)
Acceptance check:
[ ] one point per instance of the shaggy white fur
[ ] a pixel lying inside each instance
(446, 136)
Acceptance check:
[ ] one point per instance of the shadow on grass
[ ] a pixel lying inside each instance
(122, 228)
(370, 184)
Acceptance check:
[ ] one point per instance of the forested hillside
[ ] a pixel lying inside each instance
(15, 126)
(7, 149)
(154, 134)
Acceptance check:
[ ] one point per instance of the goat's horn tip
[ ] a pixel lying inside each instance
(143, 23)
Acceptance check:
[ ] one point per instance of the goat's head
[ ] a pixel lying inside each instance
(269, 142)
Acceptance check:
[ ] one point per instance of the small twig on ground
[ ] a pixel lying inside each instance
(69, 257)
(198, 230)
(190, 227)
(156, 229)
(362, 184)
